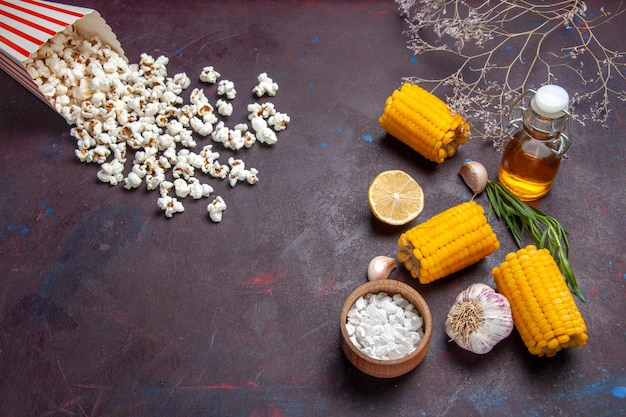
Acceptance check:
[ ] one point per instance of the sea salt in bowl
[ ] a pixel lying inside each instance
(392, 367)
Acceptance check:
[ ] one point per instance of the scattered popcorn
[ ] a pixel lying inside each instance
(215, 209)
(209, 75)
(115, 107)
(266, 86)
(227, 88)
(384, 326)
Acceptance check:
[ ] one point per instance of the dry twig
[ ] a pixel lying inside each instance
(506, 47)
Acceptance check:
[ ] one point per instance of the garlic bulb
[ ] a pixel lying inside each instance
(380, 267)
(474, 174)
(479, 318)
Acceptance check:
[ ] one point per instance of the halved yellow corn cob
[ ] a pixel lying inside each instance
(424, 122)
(448, 242)
(544, 310)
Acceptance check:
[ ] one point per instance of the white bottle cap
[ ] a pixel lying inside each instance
(550, 101)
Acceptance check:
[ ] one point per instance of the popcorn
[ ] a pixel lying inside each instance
(165, 187)
(248, 139)
(238, 172)
(154, 180)
(133, 179)
(264, 134)
(266, 86)
(216, 208)
(174, 127)
(115, 107)
(209, 75)
(264, 110)
(279, 121)
(183, 169)
(224, 108)
(111, 172)
(227, 88)
(218, 170)
(200, 127)
(178, 83)
(185, 137)
(198, 190)
(170, 205)
(181, 188)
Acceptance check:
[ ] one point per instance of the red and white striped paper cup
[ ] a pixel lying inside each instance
(26, 25)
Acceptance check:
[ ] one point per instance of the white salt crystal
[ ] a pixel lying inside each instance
(383, 326)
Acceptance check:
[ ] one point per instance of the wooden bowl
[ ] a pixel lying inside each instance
(390, 368)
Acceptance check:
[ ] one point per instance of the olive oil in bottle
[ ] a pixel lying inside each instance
(532, 158)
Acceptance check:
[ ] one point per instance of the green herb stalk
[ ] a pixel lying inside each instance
(545, 230)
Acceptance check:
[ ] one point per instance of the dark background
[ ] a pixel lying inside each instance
(108, 308)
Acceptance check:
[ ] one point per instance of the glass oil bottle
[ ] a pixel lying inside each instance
(541, 136)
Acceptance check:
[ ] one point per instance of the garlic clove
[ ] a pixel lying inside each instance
(479, 319)
(380, 267)
(474, 175)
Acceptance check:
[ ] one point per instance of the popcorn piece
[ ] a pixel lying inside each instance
(111, 172)
(248, 139)
(252, 177)
(234, 140)
(208, 153)
(267, 136)
(183, 169)
(266, 86)
(185, 137)
(154, 180)
(99, 154)
(198, 190)
(238, 172)
(197, 96)
(134, 178)
(200, 127)
(170, 205)
(264, 110)
(119, 151)
(227, 88)
(178, 83)
(218, 170)
(209, 75)
(165, 187)
(279, 121)
(181, 188)
(216, 208)
(264, 134)
(224, 108)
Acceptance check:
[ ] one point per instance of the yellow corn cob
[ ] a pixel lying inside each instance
(423, 122)
(544, 310)
(448, 242)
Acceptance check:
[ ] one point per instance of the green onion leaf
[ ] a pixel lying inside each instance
(545, 230)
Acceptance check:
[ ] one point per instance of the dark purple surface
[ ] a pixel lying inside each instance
(107, 308)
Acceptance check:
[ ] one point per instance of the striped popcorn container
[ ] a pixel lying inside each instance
(26, 26)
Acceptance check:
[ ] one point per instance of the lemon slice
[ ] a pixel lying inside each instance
(395, 198)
